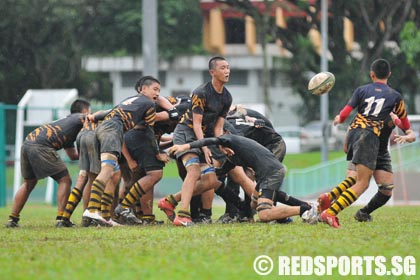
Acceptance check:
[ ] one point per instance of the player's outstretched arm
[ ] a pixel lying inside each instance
(409, 137)
(179, 148)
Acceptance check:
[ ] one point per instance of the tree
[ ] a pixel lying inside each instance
(42, 45)
(410, 43)
(377, 25)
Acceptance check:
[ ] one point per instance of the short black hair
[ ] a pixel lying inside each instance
(213, 60)
(381, 68)
(79, 105)
(145, 80)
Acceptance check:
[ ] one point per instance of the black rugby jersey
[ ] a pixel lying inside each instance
(207, 102)
(263, 135)
(374, 102)
(59, 134)
(168, 126)
(134, 110)
(248, 153)
(258, 115)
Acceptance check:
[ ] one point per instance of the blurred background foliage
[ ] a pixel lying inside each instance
(42, 43)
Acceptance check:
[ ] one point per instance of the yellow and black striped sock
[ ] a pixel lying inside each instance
(340, 188)
(98, 187)
(171, 199)
(106, 204)
(184, 213)
(134, 195)
(344, 201)
(72, 202)
(59, 215)
(137, 209)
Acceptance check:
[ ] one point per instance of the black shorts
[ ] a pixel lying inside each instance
(278, 149)
(183, 135)
(217, 154)
(141, 150)
(383, 162)
(272, 182)
(363, 147)
(88, 146)
(39, 161)
(110, 135)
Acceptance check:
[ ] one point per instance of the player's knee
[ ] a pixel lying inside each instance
(386, 187)
(64, 180)
(206, 170)
(117, 169)
(155, 175)
(109, 164)
(386, 191)
(195, 161)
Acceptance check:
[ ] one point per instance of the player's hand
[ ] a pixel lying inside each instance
(401, 139)
(337, 120)
(164, 157)
(132, 164)
(254, 200)
(178, 148)
(90, 117)
(227, 151)
(253, 205)
(259, 123)
(208, 156)
(173, 114)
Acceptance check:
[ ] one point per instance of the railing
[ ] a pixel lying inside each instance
(316, 179)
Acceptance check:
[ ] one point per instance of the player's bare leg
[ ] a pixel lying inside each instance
(21, 197)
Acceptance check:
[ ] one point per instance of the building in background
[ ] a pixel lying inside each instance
(228, 33)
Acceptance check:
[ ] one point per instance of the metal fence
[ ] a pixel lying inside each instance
(302, 183)
(312, 181)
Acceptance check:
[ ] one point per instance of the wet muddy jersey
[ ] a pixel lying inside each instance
(374, 103)
(60, 133)
(92, 125)
(207, 102)
(168, 126)
(248, 153)
(134, 110)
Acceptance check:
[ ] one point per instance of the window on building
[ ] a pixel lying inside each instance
(129, 79)
(235, 31)
(176, 93)
(277, 79)
(236, 77)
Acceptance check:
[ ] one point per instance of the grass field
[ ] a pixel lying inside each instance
(38, 250)
(292, 161)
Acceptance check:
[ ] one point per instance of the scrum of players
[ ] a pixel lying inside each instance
(218, 148)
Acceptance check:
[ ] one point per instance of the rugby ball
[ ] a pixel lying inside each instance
(321, 83)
